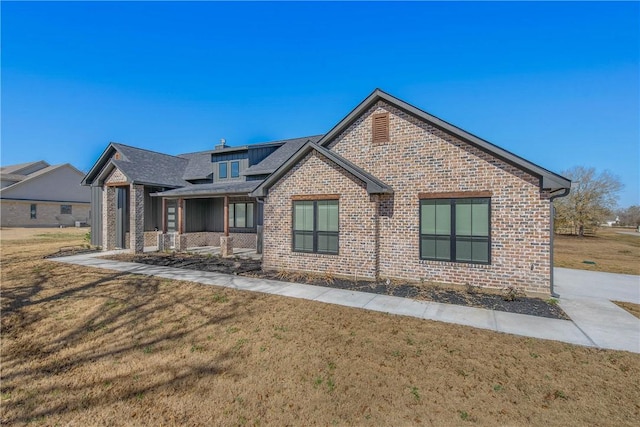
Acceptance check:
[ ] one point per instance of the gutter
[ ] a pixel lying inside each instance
(565, 191)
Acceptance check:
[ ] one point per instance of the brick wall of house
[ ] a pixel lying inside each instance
(17, 213)
(316, 175)
(418, 159)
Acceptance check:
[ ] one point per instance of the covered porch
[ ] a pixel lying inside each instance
(210, 216)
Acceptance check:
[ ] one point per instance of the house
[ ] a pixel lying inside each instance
(389, 192)
(37, 194)
(175, 202)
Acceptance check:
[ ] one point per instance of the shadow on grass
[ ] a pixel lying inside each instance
(117, 317)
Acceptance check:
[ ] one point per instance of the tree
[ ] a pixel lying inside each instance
(592, 198)
(629, 216)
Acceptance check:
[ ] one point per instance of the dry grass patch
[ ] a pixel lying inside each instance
(610, 251)
(630, 307)
(84, 346)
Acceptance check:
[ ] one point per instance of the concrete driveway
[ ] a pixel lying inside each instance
(586, 297)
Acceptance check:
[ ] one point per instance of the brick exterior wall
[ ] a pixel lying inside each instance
(17, 213)
(316, 175)
(418, 159)
(211, 238)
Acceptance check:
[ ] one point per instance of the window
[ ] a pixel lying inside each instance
(235, 169)
(241, 215)
(315, 226)
(65, 209)
(222, 170)
(34, 211)
(380, 128)
(455, 230)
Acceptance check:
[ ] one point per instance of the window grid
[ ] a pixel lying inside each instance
(315, 226)
(241, 215)
(456, 230)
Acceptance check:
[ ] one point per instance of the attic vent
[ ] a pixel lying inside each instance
(380, 130)
(116, 156)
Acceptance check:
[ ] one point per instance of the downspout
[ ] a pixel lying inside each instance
(259, 228)
(552, 210)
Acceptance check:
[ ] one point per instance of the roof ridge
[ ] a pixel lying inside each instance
(146, 149)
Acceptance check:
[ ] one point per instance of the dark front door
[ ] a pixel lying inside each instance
(122, 215)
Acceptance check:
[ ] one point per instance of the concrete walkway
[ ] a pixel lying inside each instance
(593, 324)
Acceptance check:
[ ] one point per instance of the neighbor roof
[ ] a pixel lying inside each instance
(374, 185)
(20, 168)
(26, 179)
(281, 155)
(549, 180)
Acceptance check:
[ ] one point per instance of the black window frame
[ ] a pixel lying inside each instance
(226, 170)
(63, 208)
(315, 233)
(235, 163)
(453, 237)
(33, 211)
(232, 217)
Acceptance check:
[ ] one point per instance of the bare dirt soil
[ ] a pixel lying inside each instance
(507, 300)
(608, 250)
(83, 346)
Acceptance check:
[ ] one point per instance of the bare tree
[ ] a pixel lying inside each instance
(629, 216)
(592, 198)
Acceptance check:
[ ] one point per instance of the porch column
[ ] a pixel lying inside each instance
(136, 218)
(180, 215)
(226, 241)
(164, 215)
(226, 216)
(108, 218)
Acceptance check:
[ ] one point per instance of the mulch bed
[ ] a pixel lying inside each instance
(471, 296)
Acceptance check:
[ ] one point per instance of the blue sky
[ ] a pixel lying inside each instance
(556, 83)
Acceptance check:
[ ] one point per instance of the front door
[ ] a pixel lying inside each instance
(172, 223)
(172, 216)
(122, 216)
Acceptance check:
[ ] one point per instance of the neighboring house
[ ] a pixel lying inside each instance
(389, 192)
(37, 194)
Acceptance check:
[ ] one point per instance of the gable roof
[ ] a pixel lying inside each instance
(549, 180)
(374, 185)
(281, 155)
(140, 166)
(31, 177)
(23, 168)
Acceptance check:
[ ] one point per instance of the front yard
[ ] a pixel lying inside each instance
(92, 347)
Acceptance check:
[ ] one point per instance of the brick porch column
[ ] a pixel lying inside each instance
(108, 218)
(136, 218)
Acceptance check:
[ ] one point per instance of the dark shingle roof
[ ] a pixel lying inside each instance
(150, 167)
(281, 155)
(233, 187)
(199, 166)
(374, 185)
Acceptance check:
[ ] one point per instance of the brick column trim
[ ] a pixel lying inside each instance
(108, 218)
(136, 218)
